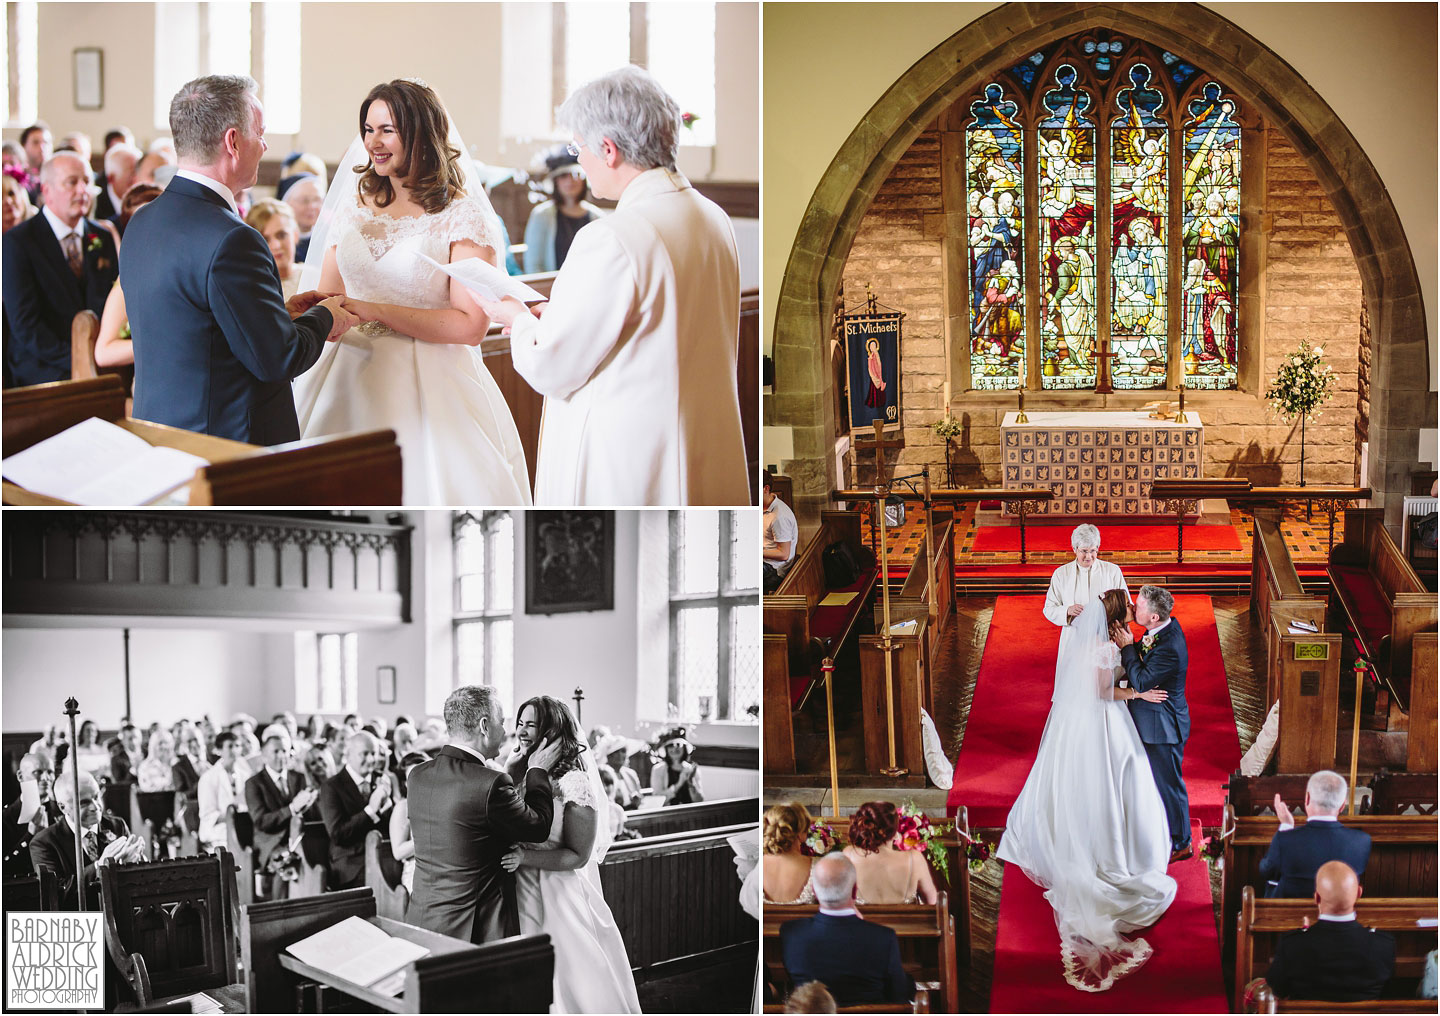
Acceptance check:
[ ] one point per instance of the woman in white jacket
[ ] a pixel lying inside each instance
(1079, 581)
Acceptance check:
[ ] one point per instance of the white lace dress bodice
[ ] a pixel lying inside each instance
(458, 441)
(592, 970)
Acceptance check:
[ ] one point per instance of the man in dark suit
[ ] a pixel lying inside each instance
(276, 795)
(353, 802)
(120, 163)
(857, 960)
(1160, 661)
(1336, 958)
(1296, 854)
(56, 264)
(106, 839)
(29, 814)
(465, 816)
(215, 343)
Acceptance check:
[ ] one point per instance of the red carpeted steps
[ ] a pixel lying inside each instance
(1183, 975)
(1003, 539)
(1012, 699)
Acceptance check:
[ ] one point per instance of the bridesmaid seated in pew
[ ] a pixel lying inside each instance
(882, 873)
(785, 869)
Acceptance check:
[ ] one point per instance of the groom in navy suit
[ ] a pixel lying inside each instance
(1160, 661)
(216, 346)
(56, 264)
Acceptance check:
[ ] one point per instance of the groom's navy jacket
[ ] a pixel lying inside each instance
(215, 349)
(464, 817)
(1295, 855)
(1163, 666)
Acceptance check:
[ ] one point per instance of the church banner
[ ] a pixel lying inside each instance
(872, 366)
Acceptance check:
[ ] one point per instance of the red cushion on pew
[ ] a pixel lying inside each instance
(1367, 602)
(798, 686)
(827, 622)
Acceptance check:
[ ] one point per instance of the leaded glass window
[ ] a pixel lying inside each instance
(994, 157)
(1139, 211)
(1211, 195)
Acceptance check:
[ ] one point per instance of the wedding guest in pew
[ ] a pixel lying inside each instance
(812, 997)
(882, 873)
(134, 748)
(782, 535)
(402, 840)
(611, 783)
(49, 741)
(190, 765)
(615, 750)
(553, 224)
(674, 778)
(402, 740)
(221, 786)
(275, 221)
(858, 960)
(1296, 854)
(1336, 959)
(106, 838)
(276, 796)
(786, 869)
(157, 772)
(353, 802)
(16, 204)
(29, 814)
(121, 768)
(90, 754)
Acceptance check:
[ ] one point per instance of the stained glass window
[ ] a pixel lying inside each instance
(1139, 202)
(994, 167)
(1210, 192)
(1066, 150)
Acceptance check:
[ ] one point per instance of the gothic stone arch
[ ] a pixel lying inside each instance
(1400, 393)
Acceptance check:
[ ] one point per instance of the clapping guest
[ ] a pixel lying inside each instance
(104, 838)
(276, 223)
(353, 802)
(222, 785)
(1296, 854)
(277, 796)
(882, 873)
(190, 765)
(28, 814)
(157, 771)
(785, 868)
(675, 778)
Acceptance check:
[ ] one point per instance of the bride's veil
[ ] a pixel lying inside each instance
(346, 186)
(1070, 860)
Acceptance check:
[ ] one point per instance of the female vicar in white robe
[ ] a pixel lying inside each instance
(1074, 585)
(636, 350)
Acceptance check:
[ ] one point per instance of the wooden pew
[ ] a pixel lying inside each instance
(675, 899)
(957, 885)
(355, 469)
(1396, 793)
(1402, 861)
(1377, 596)
(1262, 922)
(794, 612)
(1309, 693)
(927, 942)
(1276, 593)
(391, 897)
(1255, 795)
(240, 844)
(517, 973)
(1424, 732)
(684, 818)
(40, 891)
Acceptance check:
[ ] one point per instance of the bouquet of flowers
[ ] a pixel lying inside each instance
(915, 831)
(1214, 848)
(820, 839)
(946, 427)
(285, 865)
(1302, 384)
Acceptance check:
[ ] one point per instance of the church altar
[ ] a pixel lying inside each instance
(1099, 463)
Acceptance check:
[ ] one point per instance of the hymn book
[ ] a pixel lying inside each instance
(97, 463)
(357, 951)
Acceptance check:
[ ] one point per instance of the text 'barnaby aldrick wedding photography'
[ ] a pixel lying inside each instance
(53, 961)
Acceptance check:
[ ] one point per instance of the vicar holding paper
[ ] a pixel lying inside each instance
(1074, 585)
(636, 350)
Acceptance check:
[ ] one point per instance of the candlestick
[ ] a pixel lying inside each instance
(1020, 417)
(1180, 416)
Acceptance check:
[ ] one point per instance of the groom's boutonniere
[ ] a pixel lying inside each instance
(1147, 644)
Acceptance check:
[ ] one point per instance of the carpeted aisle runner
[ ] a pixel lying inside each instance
(1183, 975)
(1012, 699)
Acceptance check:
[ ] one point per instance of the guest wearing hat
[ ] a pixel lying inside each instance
(615, 751)
(674, 778)
(553, 225)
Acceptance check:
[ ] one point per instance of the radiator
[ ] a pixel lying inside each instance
(1415, 507)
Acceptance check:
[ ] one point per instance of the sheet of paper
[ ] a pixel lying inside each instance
(98, 463)
(378, 963)
(487, 280)
(837, 599)
(904, 627)
(745, 845)
(338, 944)
(201, 1002)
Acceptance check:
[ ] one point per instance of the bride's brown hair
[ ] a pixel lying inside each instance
(1116, 601)
(432, 164)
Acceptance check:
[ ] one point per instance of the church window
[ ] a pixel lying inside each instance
(22, 64)
(994, 174)
(326, 670)
(484, 606)
(1211, 202)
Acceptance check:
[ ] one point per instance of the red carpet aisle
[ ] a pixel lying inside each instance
(1183, 976)
(1000, 539)
(1012, 699)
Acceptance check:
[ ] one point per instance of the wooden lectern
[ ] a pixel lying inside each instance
(348, 469)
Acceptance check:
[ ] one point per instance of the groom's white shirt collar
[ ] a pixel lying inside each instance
(1156, 629)
(468, 749)
(213, 184)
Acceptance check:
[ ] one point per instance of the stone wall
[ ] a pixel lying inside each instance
(1310, 289)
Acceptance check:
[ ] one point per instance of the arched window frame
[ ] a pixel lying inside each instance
(1025, 84)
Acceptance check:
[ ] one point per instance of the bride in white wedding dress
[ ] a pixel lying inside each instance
(557, 882)
(1089, 825)
(414, 365)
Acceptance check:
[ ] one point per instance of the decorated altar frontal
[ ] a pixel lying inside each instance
(1100, 463)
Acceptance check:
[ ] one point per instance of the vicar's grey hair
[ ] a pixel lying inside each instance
(205, 108)
(834, 880)
(467, 706)
(1085, 537)
(1328, 792)
(629, 107)
(1159, 599)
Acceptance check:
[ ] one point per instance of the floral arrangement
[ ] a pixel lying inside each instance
(947, 427)
(285, 865)
(820, 839)
(1302, 384)
(93, 242)
(915, 831)
(688, 119)
(1214, 849)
